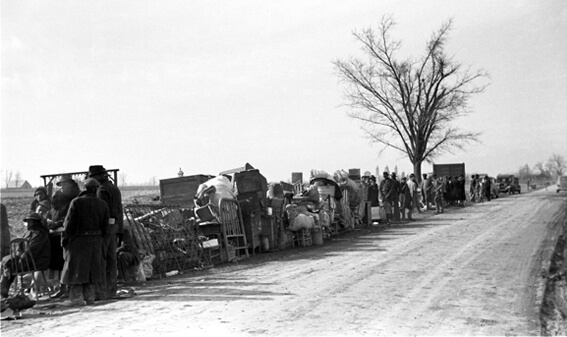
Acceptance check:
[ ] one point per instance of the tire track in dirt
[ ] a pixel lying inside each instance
(441, 301)
(421, 296)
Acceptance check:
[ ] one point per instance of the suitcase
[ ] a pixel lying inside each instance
(378, 213)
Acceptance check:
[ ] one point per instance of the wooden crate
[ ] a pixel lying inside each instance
(181, 191)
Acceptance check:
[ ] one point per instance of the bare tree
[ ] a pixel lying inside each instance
(122, 178)
(406, 104)
(556, 165)
(543, 174)
(153, 181)
(8, 176)
(525, 172)
(18, 178)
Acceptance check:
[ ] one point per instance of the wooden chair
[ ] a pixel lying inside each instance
(211, 251)
(232, 228)
(327, 195)
(23, 266)
(302, 238)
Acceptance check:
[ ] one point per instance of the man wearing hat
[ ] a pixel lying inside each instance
(363, 192)
(110, 194)
(85, 226)
(38, 250)
(68, 190)
(386, 194)
(395, 197)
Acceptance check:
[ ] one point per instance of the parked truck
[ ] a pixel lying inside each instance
(508, 183)
(449, 170)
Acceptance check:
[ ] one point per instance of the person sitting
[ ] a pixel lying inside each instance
(38, 249)
(127, 253)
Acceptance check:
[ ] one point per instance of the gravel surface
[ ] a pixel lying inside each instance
(470, 271)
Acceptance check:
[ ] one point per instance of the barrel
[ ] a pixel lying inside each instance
(317, 235)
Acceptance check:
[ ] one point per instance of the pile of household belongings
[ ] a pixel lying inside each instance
(354, 194)
(318, 206)
(209, 195)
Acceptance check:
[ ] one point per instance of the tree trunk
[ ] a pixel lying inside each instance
(417, 170)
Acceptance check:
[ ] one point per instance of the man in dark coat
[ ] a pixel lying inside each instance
(110, 194)
(438, 189)
(38, 250)
(85, 226)
(386, 194)
(462, 191)
(373, 193)
(395, 197)
(487, 188)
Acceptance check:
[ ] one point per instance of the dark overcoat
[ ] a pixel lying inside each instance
(405, 196)
(85, 225)
(110, 193)
(386, 189)
(39, 246)
(373, 195)
(5, 237)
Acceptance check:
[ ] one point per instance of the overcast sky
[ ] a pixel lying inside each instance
(149, 87)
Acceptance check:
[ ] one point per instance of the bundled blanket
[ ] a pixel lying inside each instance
(212, 191)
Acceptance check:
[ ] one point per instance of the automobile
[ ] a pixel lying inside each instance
(508, 183)
(561, 183)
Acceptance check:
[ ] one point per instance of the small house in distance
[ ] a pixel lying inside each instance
(19, 185)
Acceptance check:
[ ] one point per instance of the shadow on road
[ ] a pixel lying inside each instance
(207, 288)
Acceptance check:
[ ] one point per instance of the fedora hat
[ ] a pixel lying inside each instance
(64, 178)
(96, 170)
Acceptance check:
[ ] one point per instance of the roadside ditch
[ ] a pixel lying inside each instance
(553, 311)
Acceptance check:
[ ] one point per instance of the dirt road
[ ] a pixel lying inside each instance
(470, 271)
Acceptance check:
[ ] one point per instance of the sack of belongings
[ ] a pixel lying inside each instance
(146, 263)
(378, 213)
(347, 184)
(222, 189)
(315, 174)
(302, 221)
